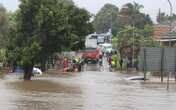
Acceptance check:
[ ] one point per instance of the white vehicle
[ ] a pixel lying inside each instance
(107, 48)
(36, 71)
(100, 40)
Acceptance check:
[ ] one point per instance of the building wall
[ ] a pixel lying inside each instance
(160, 30)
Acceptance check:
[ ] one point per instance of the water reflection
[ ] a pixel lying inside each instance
(91, 90)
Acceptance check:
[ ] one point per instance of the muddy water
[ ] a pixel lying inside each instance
(91, 90)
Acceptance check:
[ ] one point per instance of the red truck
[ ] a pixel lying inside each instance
(91, 54)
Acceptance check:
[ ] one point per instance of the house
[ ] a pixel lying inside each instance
(164, 34)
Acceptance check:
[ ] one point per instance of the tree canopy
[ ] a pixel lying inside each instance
(45, 27)
(107, 18)
(136, 30)
(131, 15)
(3, 26)
(110, 17)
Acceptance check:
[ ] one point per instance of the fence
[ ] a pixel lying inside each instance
(161, 60)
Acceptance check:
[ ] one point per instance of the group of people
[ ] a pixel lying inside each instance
(112, 59)
(120, 63)
(73, 65)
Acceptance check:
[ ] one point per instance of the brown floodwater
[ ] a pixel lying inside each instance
(90, 90)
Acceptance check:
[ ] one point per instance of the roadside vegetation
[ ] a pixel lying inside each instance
(125, 22)
(40, 28)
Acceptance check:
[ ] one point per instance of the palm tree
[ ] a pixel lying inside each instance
(131, 12)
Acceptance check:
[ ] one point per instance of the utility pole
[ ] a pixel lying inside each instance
(133, 46)
(171, 13)
(133, 38)
(171, 8)
(110, 29)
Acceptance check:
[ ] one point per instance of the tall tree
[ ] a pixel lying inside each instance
(125, 39)
(131, 15)
(64, 23)
(45, 27)
(137, 28)
(107, 18)
(3, 26)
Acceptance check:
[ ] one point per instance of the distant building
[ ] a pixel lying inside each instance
(163, 34)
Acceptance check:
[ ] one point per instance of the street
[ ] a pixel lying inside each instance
(90, 90)
(87, 55)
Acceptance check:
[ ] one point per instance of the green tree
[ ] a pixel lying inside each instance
(43, 28)
(131, 15)
(124, 40)
(107, 18)
(148, 31)
(3, 26)
(62, 26)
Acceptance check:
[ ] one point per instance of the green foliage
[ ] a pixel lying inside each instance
(148, 31)
(2, 55)
(106, 18)
(64, 23)
(131, 15)
(42, 27)
(142, 38)
(29, 54)
(149, 42)
(128, 37)
(136, 31)
(3, 26)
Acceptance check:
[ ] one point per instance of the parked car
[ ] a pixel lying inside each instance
(35, 70)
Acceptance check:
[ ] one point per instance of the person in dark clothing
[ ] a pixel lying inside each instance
(100, 60)
(121, 62)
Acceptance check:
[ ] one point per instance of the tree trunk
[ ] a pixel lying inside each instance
(28, 72)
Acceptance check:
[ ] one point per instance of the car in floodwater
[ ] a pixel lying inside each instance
(35, 71)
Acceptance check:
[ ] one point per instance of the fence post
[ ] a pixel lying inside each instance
(175, 76)
(162, 64)
(145, 66)
(168, 80)
(175, 66)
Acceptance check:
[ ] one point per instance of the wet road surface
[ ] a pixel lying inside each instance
(90, 90)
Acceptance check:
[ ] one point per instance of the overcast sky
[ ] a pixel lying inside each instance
(150, 6)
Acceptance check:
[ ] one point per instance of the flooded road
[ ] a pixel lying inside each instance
(90, 90)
